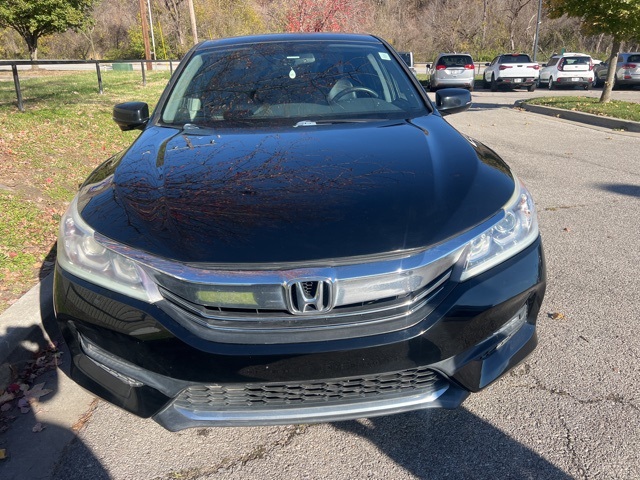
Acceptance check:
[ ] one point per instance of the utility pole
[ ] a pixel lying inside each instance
(194, 28)
(153, 40)
(145, 33)
(535, 43)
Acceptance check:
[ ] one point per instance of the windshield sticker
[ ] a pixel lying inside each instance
(384, 56)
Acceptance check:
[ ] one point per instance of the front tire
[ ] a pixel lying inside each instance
(494, 84)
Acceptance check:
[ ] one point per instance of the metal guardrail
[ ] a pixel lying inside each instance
(14, 64)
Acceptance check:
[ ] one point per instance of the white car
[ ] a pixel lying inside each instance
(514, 70)
(568, 69)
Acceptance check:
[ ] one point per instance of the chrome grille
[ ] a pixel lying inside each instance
(308, 303)
(292, 394)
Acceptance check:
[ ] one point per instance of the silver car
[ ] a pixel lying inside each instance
(627, 71)
(451, 70)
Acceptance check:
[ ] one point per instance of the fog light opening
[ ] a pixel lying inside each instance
(512, 326)
(100, 358)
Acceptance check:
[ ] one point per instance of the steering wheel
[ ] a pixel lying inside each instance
(349, 90)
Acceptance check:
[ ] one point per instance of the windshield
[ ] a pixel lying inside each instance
(291, 82)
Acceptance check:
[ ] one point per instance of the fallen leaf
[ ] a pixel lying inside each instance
(557, 316)
(37, 428)
(37, 391)
(3, 454)
(566, 229)
(6, 397)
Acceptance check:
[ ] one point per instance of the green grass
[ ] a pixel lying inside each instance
(65, 132)
(615, 108)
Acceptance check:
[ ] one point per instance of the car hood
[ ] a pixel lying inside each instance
(252, 196)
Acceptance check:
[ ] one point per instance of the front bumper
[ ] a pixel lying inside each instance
(137, 357)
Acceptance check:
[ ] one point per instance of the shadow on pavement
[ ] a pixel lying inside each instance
(42, 422)
(453, 444)
(620, 189)
(487, 106)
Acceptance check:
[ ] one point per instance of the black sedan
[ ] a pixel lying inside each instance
(296, 236)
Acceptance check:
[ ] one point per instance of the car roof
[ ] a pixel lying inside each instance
(289, 37)
(571, 54)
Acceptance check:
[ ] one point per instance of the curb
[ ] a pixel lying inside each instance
(588, 118)
(21, 327)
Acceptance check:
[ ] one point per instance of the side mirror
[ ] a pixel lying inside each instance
(487, 64)
(131, 115)
(428, 65)
(452, 100)
(543, 65)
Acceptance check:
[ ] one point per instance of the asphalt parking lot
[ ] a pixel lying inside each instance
(571, 410)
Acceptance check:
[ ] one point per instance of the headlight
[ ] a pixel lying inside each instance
(81, 255)
(515, 232)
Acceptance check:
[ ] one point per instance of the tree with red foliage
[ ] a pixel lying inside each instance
(322, 15)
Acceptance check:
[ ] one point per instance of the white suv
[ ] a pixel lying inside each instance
(568, 69)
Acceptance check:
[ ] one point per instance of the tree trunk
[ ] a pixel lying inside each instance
(32, 45)
(613, 64)
(600, 37)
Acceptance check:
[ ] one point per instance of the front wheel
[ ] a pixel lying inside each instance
(494, 84)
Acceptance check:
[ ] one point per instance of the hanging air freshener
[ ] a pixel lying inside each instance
(292, 73)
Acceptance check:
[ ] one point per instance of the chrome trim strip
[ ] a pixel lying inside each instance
(342, 269)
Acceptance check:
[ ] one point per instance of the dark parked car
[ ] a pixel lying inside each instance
(297, 235)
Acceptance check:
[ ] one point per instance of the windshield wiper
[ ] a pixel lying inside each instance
(313, 123)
